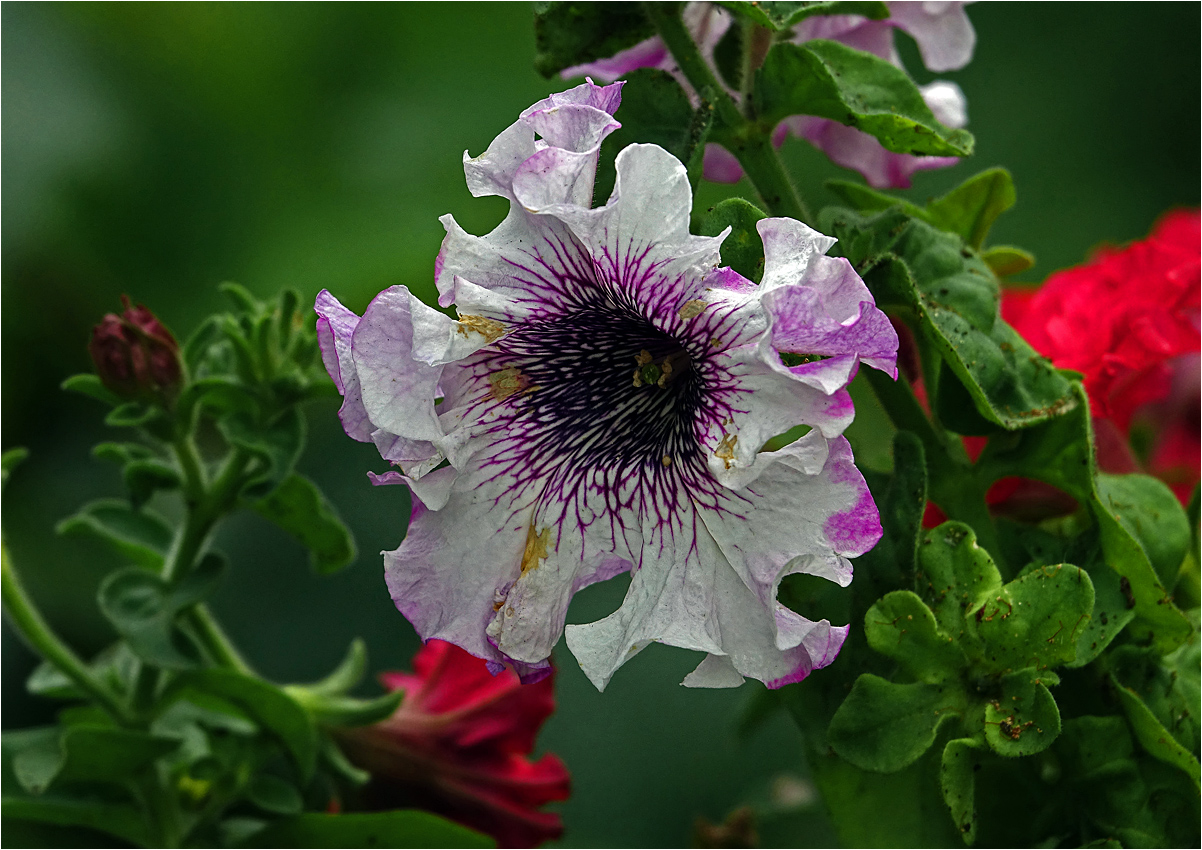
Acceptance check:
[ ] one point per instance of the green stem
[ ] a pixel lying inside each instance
(749, 141)
(216, 643)
(34, 628)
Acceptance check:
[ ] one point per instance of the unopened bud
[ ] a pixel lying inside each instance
(136, 356)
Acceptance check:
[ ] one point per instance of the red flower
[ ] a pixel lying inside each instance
(135, 355)
(1129, 321)
(459, 746)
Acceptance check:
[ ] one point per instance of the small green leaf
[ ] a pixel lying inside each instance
(242, 298)
(143, 477)
(1110, 616)
(1153, 736)
(743, 249)
(344, 711)
(263, 702)
(957, 778)
(884, 726)
(400, 828)
(90, 385)
(139, 605)
(272, 794)
(1033, 621)
(1148, 511)
(121, 453)
(141, 536)
(831, 80)
(778, 15)
(1024, 719)
(955, 575)
(132, 414)
(903, 628)
(349, 672)
(277, 444)
(654, 110)
(570, 33)
(87, 753)
(971, 208)
(9, 461)
(1006, 260)
(299, 508)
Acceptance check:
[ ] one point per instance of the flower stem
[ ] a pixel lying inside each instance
(749, 141)
(34, 628)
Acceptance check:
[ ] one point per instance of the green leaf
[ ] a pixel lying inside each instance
(242, 298)
(1153, 736)
(344, 711)
(950, 297)
(132, 414)
(1168, 685)
(831, 80)
(400, 828)
(902, 627)
(91, 386)
(349, 672)
(1006, 260)
(143, 477)
(87, 753)
(957, 779)
(141, 536)
(272, 794)
(124, 821)
(884, 726)
(955, 575)
(1148, 511)
(567, 34)
(1033, 621)
(655, 110)
(1024, 720)
(1110, 616)
(263, 702)
(743, 249)
(9, 461)
(277, 444)
(785, 15)
(971, 208)
(121, 453)
(142, 608)
(299, 508)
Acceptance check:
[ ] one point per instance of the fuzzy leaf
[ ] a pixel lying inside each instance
(831, 80)
(957, 778)
(1024, 720)
(902, 627)
(884, 726)
(300, 508)
(570, 33)
(955, 575)
(1153, 736)
(1149, 512)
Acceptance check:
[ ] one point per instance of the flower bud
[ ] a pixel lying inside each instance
(136, 356)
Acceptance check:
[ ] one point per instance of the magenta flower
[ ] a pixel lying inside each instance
(601, 404)
(945, 39)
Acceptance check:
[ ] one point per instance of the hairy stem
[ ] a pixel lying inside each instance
(37, 632)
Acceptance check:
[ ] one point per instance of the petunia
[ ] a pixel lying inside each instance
(945, 39)
(600, 404)
(459, 745)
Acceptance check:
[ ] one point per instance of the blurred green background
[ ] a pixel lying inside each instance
(158, 149)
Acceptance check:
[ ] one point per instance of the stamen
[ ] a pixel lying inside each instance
(490, 329)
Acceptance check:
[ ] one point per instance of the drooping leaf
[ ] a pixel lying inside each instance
(571, 33)
(345, 711)
(902, 627)
(300, 508)
(1024, 719)
(400, 828)
(141, 536)
(831, 80)
(743, 249)
(349, 672)
(654, 110)
(263, 702)
(782, 14)
(884, 726)
(957, 778)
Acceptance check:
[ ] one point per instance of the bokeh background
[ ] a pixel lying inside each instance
(158, 149)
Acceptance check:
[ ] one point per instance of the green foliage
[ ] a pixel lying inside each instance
(298, 507)
(885, 726)
(400, 828)
(743, 249)
(957, 779)
(779, 16)
(139, 535)
(568, 33)
(830, 80)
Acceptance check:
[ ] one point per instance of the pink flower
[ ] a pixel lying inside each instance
(135, 356)
(460, 744)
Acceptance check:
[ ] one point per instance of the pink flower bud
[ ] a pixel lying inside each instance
(136, 356)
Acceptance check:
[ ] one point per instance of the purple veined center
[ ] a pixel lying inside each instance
(598, 392)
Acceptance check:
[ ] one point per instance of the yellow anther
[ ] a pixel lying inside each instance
(490, 329)
(726, 449)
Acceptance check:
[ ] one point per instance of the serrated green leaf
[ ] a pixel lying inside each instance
(1033, 621)
(884, 726)
(743, 249)
(957, 779)
(400, 828)
(141, 536)
(902, 627)
(955, 575)
(654, 110)
(272, 794)
(1006, 260)
(90, 385)
(1152, 735)
(568, 34)
(831, 80)
(950, 298)
(1024, 719)
(300, 508)
(777, 15)
(263, 702)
